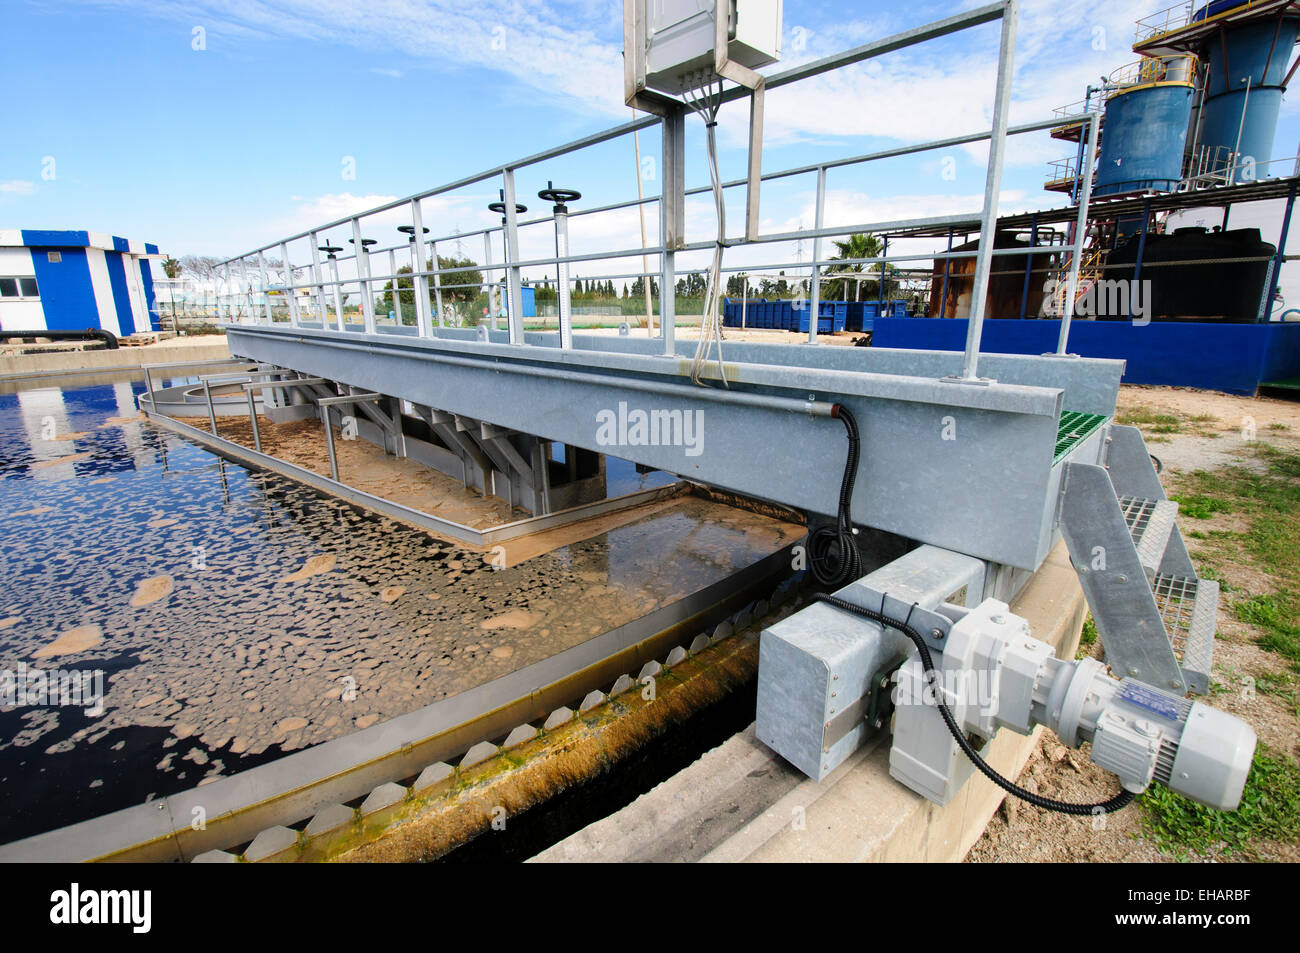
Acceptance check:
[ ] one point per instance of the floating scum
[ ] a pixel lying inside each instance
(304, 619)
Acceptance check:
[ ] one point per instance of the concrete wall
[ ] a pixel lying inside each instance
(39, 365)
(743, 802)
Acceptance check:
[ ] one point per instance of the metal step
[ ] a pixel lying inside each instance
(1189, 606)
(1150, 523)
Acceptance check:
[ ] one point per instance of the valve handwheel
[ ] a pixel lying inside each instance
(500, 208)
(560, 197)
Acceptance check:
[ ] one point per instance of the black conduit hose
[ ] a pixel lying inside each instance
(835, 561)
(833, 555)
(1120, 800)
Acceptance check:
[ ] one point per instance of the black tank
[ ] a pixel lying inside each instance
(1208, 288)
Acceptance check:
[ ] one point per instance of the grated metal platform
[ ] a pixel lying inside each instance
(1188, 607)
(1072, 430)
(1150, 523)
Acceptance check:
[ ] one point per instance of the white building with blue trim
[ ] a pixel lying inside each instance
(73, 280)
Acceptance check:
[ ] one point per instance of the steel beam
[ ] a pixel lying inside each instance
(988, 489)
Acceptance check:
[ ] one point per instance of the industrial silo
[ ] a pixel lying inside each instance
(1244, 47)
(1247, 66)
(1147, 111)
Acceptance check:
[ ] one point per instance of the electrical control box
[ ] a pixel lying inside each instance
(680, 38)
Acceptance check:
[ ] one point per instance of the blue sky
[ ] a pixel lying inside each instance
(218, 149)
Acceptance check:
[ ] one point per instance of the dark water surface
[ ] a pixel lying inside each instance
(232, 615)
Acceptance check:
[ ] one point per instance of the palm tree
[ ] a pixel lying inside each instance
(859, 245)
(172, 269)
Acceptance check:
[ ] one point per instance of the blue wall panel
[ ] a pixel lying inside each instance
(1234, 358)
(67, 294)
(150, 302)
(121, 297)
(55, 237)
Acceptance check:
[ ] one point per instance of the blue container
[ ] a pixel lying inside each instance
(824, 325)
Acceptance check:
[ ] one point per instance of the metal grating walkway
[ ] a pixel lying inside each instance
(1188, 607)
(1073, 428)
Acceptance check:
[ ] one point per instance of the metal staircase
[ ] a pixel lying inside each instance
(1154, 617)
(1090, 269)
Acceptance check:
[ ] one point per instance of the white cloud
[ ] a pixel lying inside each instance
(17, 187)
(555, 48)
(571, 52)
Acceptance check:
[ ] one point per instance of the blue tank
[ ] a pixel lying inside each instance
(1243, 96)
(1142, 149)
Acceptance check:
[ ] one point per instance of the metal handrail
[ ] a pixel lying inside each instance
(1153, 69)
(1164, 21)
(365, 270)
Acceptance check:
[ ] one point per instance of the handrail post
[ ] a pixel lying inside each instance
(992, 186)
(288, 281)
(562, 275)
(818, 215)
(492, 290)
(265, 287)
(363, 276)
(212, 414)
(252, 420)
(514, 300)
(437, 284)
(1080, 233)
(419, 282)
(317, 281)
(329, 444)
(672, 218)
(397, 298)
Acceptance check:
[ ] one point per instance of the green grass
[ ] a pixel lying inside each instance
(1270, 810)
(1154, 422)
(1150, 421)
(1210, 572)
(1201, 506)
(1269, 502)
(1088, 637)
(1275, 614)
(1281, 686)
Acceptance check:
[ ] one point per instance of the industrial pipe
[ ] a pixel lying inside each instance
(95, 334)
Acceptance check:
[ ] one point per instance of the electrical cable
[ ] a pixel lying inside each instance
(1120, 800)
(705, 99)
(833, 555)
(835, 561)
